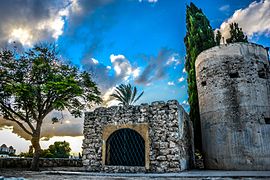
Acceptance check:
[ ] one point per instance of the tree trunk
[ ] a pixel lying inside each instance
(37, 148)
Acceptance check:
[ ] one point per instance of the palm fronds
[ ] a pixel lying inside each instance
(126, 94)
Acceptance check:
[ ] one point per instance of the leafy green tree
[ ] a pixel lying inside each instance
(56, 150)
(46, 153)
(60, 149)
(199, 37)
(36, 82)
(237, 34)
(26, 154)
(126, 94)
(218, 38)
(30, 152)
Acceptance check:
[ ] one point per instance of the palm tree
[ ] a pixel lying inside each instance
(126, 94)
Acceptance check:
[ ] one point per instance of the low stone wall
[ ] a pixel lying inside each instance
(44, 162)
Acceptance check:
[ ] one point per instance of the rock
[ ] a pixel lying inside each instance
(172, 144)
(163, 145)
(161, 158)
(174, 164)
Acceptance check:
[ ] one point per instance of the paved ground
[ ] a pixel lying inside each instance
(68, 173)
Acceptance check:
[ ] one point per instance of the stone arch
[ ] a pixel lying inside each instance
(125, 147)
(110, 131)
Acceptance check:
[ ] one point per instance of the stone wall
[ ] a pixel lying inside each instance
(44, 162)
(234, 98)
(165, 127)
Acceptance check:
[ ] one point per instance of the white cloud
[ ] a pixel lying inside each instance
(185, 103)
(184, 70)
(150, 1)
(34, 21)
(108, 76)
(94, 61)
(24, 36)
(174, 59)
(181, 79)
(120, 65)
(224, 7)
(54, 25)
(107, 99)
(67, 125)
(115, 57)
(171, 83)
(123, 68)
(183, 87)
(136, 72)
(254, 20)
(75, 6)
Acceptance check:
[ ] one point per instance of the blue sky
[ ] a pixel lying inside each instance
(122, 41)
(143, 37)
(140, 30)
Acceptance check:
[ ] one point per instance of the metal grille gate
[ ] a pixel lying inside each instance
(125, 147)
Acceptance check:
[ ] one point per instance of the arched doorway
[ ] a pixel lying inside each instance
(125, 147)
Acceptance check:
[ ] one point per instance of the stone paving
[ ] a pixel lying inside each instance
(19, 174)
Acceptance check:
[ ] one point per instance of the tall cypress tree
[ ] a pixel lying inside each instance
(199, 37)
(237, 34)
(218, 38)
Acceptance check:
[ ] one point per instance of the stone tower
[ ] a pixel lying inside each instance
(234, 98)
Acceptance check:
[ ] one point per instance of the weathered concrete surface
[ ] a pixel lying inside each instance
(234, 98)
(186, 174)
(68, 173)
(43, 162)
(165, 126)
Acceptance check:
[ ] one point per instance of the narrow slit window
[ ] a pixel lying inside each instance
(234, 75)
(267, 120)
(203, 83)
(262, 74)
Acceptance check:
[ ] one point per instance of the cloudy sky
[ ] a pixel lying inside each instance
(119, 41)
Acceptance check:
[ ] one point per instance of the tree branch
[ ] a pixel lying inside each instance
(39, 102)
(27, 119)
(11, 118)
(46, 112)
(8, 108)
(46, 103)
(33, 113)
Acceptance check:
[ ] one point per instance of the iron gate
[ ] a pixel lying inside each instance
(125, 147)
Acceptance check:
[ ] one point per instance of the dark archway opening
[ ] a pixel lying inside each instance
(125, 147)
